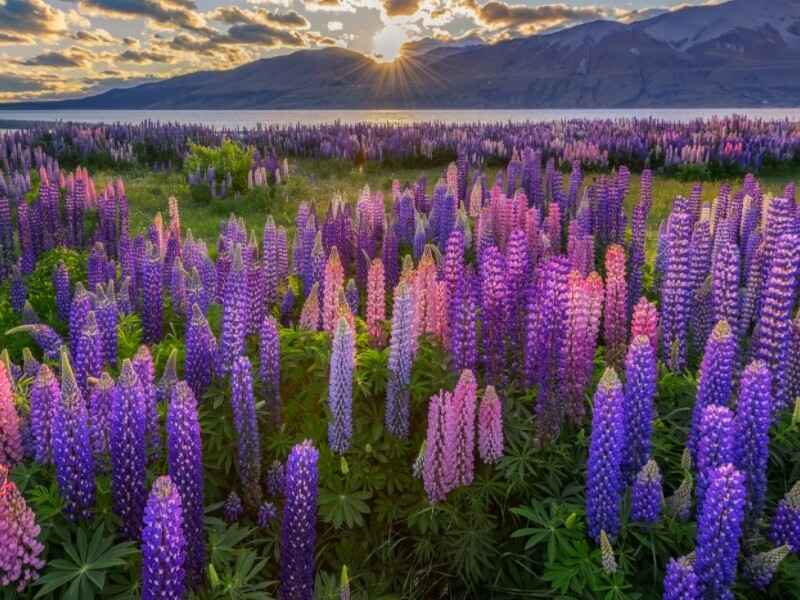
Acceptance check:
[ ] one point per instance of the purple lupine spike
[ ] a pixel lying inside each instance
(401, 358)
(128, 452)
(79, 308)
(270, 367)
(44, 396)
(680, 581)
(100, 403)
(177, 286)
(647, 495)
(637, 255)
(463, 334)
(185, 467)
(232, 336)
(391, 261)
(276, 479)
(201, 352)
(604, 472)
(453, 267)
(490, 427)
(30, 366)
(715, 379)
(146, 372)
(615, 318)
(459, 435)
(169, 378)
(19, 561)
(719, 528)
(340, 389)
(11, 451)
(298, 525)
(725, 284)
(247, 435)
(270, 261)
(676, 288)
(351, 295)
(760, 568)
(17, 294)
(152, 302)
(62, 290)
(233, 508)
(72, 449)
(107, 314)
(266, 515)
(96, 266)
(641, 375)
(716, 446)
(785, 527)
(164, 545)
(495, 310)
(44, 336)
(88, 354)
(435, 467)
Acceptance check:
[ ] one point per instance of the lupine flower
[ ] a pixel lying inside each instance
(88, 354)
(490, 427)
(72, 449)
(266, 515)
(80, 307)
(725, 283)
(785, 527)
(270, 367)
(233, 508)
(645, 322)
(351, 296)
(334, 282)
(715, 380)
(310, 314)
(676, 288)
(185, 466)
(340, 389)
(298, 525)
(716, 439)
(246, 424)
(101, 401)
(607, 554)
(760, 568)
(463, 330)
(434, 474)
(44, 396)
(276, 479)
(680, 581)
(96, 266)
(163, 543)
(641, 374)
(604, 477)
(459, 435)
(376, 302)
(201, 351)
(719, 527)
(234, 309)
(146, 373)
(496, 310)
(19, 544)
(169, 378)
(615, 330)
(107, 314)
(128, 452)
(62, 291)
(400, 361)
(647, 495)
(30, 366)
(17, 293)
(152, 302)
(10, 438)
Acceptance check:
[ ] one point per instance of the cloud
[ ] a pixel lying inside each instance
(328, 5)
(11, 38)
(27, 20)
(262, 35)
(145, 56)
(401, 8)
(168, 13)
(16, 84)
(335, 25)
(98, 37)
(234, 15)
(497, 14)
(57, 59)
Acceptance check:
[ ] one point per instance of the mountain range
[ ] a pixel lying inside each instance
(743, 53)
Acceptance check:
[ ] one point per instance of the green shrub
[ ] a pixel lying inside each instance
(229, 157)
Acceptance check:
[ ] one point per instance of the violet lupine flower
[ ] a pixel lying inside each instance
(185, 467)
(163, 543)
(107, 314)
(645, 322)
(79, 308)
(333, 283)
(638, 255)
(19, 544)
(232, 509)
(725, 283)
(401, 358)
(434, 474)
(719, 528)
(100, 403)
(351, 296)
(495, 311)
(340, 389)
(266, 515)
(146, 373)
(72, 448)
(128, 452)
(201, 352)
(234, 308)
(615, 330)
(45, 394)
(152, 302)
(88, 354)
(270, 261)
(453, 267)
(96, 266)
(376, 302)
(716, 446)
(44, 336)
(30, 366)
(604, 471)
(647, 495)
(298, 525)
(641, 375)
(680, 580)
(270, 367)
(10, 437)
(276, 479)
(62, 291)
(18, 294)
(760, 568)
(676, 288)
(490, 427)
(715, 380)
(463, 330)
(245, 422)
(459, 435)
(785, 527)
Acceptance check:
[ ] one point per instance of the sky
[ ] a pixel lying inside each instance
(62, 49)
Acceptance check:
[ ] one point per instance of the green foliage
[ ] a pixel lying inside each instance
(228, 157)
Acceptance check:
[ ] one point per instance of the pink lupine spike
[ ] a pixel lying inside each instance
(334, 282)
(490, 427)
(645, 321)
(376, 302)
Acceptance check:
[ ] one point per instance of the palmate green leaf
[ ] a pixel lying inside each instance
(344, 507)
(574, 570)
(552, 525)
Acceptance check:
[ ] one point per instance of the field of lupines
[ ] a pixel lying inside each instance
(502, 384)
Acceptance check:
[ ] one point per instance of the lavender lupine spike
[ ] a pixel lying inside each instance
(185, 466)
(490, 427)
(88, 354)
(232, 335)
(641, 376)
(680, 581)
(62, 290)
(79, 308)
(270, 367)
(10, 437)
(719, 528)
(107, 313)
(459, 435)
(163, 543)
(152, 302)
(340, 390)
(434, 475)
(725, 284)
(18, 293)
(247, 434)
(96, 266)
(72, 449)
(233, 508)
(604, 476)
(30, 366)
(647, 495)
(128, 452)
(44, 396)
(716, 446)
(615, 331)
(19, 544)
(100, 404)
(266, 515)
(785, 527)
(298, 525)
(276, 479)
(146, 373)
(715, 378)
(201, 351)
(400, 362)
(463, 330)
(676, 289)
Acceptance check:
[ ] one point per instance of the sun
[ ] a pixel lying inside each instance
(388, 41)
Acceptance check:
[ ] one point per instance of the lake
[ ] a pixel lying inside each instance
(251, 118)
